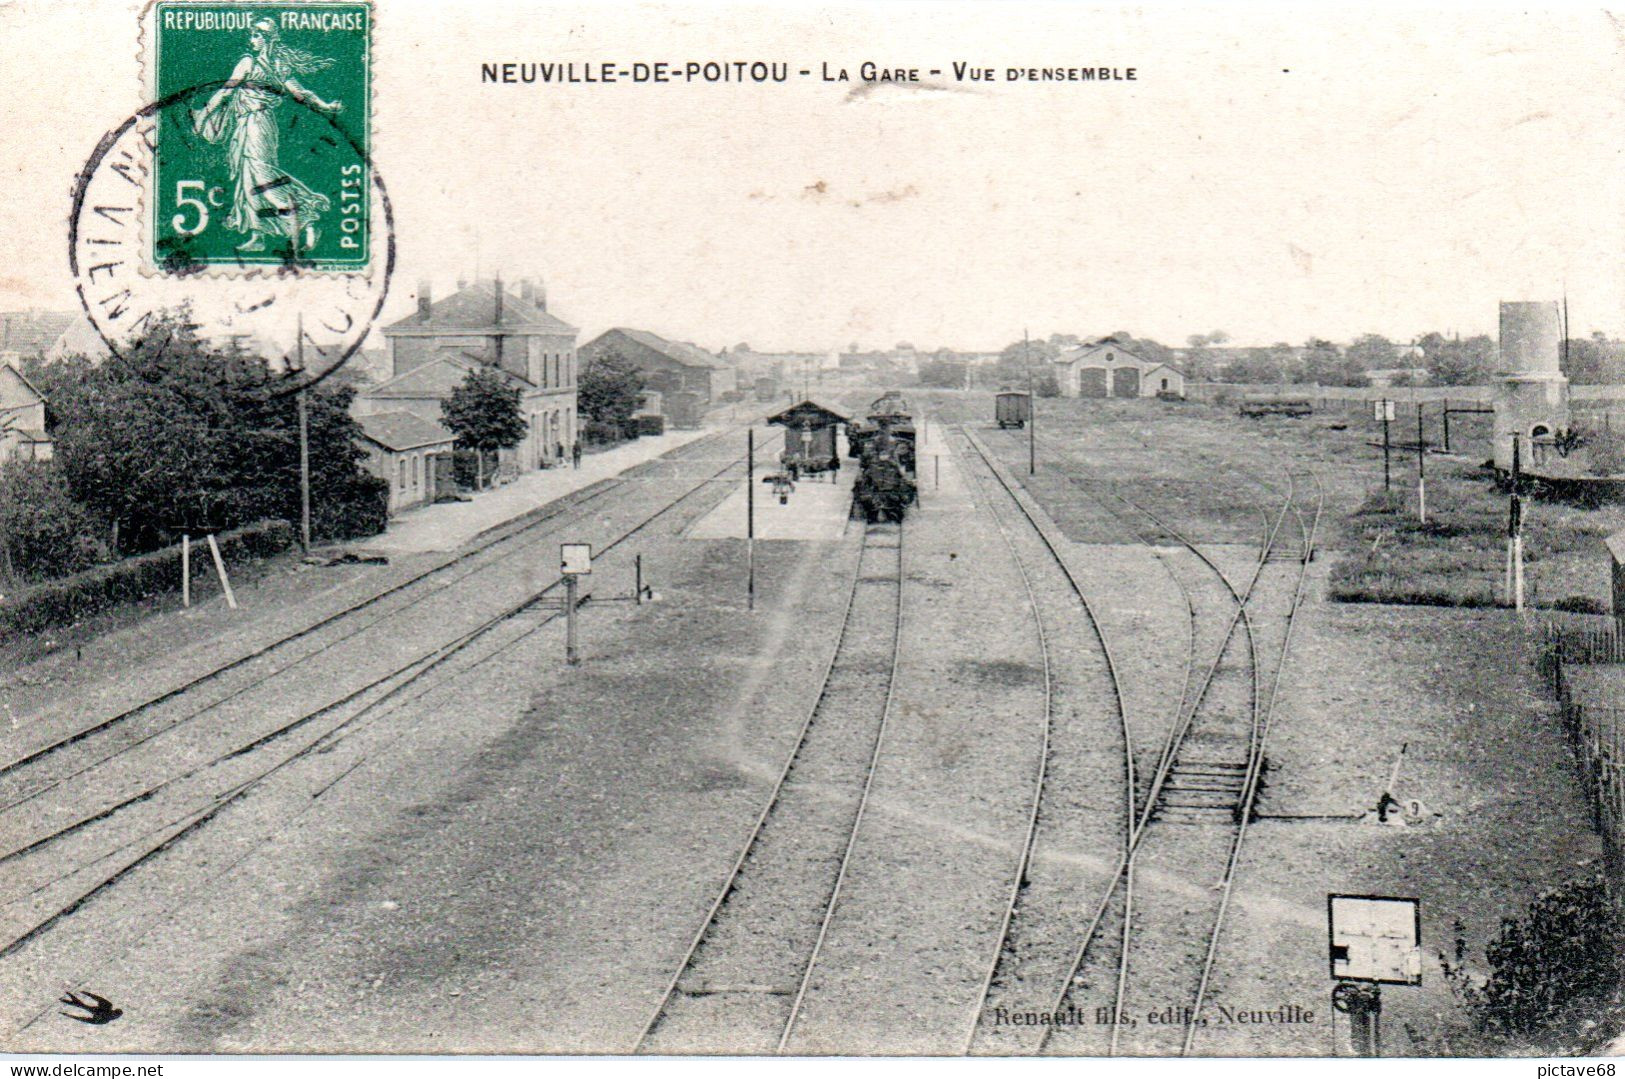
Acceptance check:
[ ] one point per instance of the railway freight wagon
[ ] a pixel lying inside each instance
(767, 389)
(1012, 408)
(683, 409)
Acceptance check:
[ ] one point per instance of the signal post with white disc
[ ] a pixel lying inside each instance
(1375, 940)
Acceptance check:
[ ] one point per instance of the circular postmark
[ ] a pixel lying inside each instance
(263, 220)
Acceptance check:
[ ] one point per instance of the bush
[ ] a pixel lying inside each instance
(1565, 950)
(1606, 453)
(47, 534)
(75, 598)
(361, 509)
(599, 433)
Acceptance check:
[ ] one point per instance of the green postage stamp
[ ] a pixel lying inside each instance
(262, 137)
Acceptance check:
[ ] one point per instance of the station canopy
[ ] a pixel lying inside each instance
(808, 414)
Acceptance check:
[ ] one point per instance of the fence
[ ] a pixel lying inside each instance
(1596, 732)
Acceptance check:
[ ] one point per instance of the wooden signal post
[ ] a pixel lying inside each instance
(1421, 469)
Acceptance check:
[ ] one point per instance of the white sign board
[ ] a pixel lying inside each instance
(1375, 939)
(1382, 410)
(575, 559)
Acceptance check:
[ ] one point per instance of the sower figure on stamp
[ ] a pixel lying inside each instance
(266, 201)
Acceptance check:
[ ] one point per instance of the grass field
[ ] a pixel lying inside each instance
(1458, 557)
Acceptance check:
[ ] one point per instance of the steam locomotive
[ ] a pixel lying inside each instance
(884, 444)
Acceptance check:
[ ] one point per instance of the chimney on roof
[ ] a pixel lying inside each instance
(425, 300)
(527, 290)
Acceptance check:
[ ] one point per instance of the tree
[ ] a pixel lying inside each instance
(1016, 357)
(607, 391)
(175, 435)
(1369, 352)
(483, 412)
(1455, 362)
(943, 373)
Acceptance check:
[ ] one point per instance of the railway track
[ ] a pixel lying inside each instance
(1019, 961)
(57, 866)
(740, 985)
(1191, 792)
(316, 639)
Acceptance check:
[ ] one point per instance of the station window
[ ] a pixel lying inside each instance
(400, 480)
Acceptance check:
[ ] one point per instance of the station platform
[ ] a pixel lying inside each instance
(816, 510)
(446, 526)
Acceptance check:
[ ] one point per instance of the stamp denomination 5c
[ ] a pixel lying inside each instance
(261, 160)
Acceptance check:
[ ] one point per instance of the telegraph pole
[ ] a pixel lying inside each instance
(1514, 579)
(304, 446)
(1032, 408)
(750, 518)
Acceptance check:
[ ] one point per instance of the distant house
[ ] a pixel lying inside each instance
(22, 415)
(413, 455)
(668, 366)
(1398, 376)
(31, 334)
(484, 326)
(1105, 368)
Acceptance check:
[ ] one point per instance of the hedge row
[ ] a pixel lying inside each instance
(83, 595)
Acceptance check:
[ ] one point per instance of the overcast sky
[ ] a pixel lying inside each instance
(1273, 172)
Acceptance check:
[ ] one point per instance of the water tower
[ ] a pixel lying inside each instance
(1531, 392)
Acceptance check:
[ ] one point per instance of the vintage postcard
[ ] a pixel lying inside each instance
(866, 529)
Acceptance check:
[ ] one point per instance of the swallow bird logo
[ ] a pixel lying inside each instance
(100, 1009)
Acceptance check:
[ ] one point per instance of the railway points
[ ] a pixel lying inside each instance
(1046, 723)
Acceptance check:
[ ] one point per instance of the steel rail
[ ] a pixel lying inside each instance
(1255, 767)
(499, 535)
(863, 804)
(1046, 736)
(1122, 710)
(1125, 864)
(423, 663)
(731, 881)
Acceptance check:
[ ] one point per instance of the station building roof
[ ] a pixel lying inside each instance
(808, 413)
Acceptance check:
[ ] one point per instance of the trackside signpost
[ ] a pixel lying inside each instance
(1374, 940)
(575, 562)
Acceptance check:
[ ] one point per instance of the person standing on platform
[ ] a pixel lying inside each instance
(575, 454)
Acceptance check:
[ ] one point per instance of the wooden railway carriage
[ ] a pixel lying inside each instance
(684, 409)
(1012, 408)
(809, 436)
(1277, 405)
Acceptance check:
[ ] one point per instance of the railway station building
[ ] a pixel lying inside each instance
(411, 454)
(1104, 368)
(485, 325)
